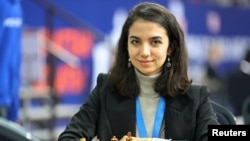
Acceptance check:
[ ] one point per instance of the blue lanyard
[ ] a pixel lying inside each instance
(158, 118)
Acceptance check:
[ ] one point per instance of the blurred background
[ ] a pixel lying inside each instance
(66, 43)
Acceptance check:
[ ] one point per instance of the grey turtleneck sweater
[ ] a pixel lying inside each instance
(148, 100)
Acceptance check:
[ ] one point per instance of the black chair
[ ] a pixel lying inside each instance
(225, 117)
(11, 131)
(246, 110)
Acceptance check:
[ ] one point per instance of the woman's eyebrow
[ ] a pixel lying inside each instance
(156, 37)
(134, 37)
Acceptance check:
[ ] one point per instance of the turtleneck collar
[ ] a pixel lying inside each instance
(146, 84)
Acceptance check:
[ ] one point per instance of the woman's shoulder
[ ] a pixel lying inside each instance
(104, 86)
(197, 86)
(198, 90)
(102, 79)
(102, 76)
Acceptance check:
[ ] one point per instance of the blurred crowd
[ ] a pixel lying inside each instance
(240, 3)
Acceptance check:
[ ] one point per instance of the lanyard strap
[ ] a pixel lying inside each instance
(157, 122)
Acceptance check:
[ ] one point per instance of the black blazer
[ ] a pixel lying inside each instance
(106, 114)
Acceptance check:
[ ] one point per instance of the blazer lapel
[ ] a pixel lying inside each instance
(121, 113)
(178, 116)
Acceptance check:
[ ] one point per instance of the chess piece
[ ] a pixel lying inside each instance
(129, 138)
(82, 139)
(114, 138)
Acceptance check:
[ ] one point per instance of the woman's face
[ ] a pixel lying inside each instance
(147, 46)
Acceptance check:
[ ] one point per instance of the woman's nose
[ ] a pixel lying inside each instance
(145, 50)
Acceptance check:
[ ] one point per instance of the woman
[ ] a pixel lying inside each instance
(147, 91)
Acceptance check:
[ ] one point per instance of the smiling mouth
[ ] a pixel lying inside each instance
(145, 62)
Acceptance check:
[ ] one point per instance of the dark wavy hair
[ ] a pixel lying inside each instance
(172, 80)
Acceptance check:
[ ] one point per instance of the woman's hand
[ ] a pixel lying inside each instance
(131, 138)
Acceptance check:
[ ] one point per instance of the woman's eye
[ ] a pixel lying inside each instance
(134, 42)
(156, 42)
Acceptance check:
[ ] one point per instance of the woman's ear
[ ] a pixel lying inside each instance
(169, 51)
(171, 47)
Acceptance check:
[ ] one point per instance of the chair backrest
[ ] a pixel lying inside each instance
(11, 131)
(246, 110)
(225, 117)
